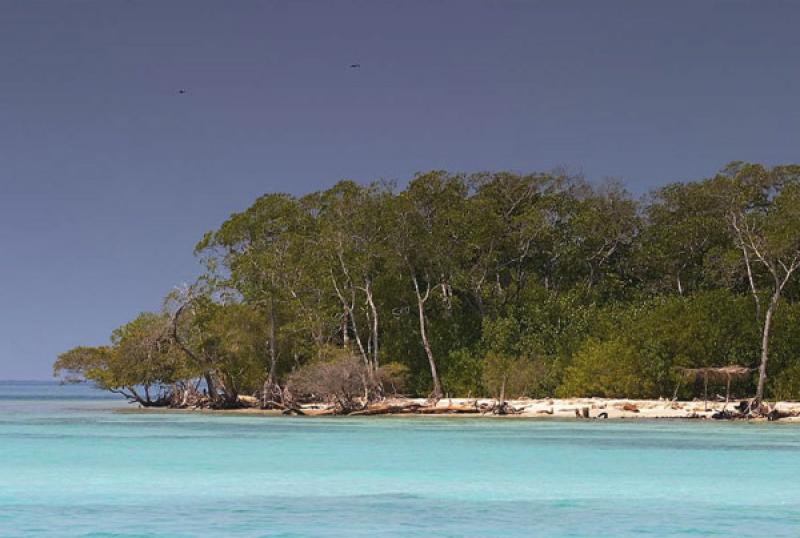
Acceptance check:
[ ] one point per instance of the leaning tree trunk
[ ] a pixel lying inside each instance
(211, 387)
(374, 327)
(271, 392)
(437, 387)
(273, 350)
(762, 367)
(230, 394)
(349, 315)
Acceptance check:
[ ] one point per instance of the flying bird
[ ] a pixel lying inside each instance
(181, 92)
(355, 66)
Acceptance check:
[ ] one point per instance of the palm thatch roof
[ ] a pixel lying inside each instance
(723, 373)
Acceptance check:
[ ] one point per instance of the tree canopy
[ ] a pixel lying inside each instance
(484, 284)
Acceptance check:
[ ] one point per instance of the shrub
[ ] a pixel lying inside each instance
(341, 380)
(786, 385)
(505, 376)
(393, 377)
(608, 369)
(461, 373)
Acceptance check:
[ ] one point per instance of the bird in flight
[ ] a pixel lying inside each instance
(181, 92)
(355, 66)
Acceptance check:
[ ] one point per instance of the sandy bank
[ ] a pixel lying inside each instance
(551, 408)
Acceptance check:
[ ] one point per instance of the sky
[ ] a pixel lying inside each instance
(109, 174)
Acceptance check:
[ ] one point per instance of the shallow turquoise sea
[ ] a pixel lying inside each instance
(72, 466)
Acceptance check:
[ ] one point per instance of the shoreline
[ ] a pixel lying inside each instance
(547, 408)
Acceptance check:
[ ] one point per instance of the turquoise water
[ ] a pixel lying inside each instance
(71, 466)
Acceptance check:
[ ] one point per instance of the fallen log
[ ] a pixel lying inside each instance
(248, 401)
(630, 407)
(443, 410)
(315, 412)
(387, 409)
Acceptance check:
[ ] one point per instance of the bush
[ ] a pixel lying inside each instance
(340, 380)
(393, 377)
(505, 376)
(344, 380)
(786, 385)
(461, 373)
(607, 369)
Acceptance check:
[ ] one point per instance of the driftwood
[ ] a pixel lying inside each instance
(315, 412)
(499, 408)
(415, 408)
(248, 401)
(387, 409)
(582, 412)
(443, 410)
(777, 415)
(745, 411)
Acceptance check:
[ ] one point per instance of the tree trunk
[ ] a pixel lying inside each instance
(348, 316)
(705, 392)
(374, 336)
(727, 391)
(230, 394)
(273, 350)
(270, 391)
(762, 367)
(343, 327)
(437, 388)
(211, 387)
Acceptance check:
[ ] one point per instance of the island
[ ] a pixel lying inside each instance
(484, 294)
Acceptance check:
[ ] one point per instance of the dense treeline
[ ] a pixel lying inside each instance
(484, 284)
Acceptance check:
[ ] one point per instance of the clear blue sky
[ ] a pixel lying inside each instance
(108, 176)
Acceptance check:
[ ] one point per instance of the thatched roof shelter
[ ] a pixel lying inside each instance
(724, 373)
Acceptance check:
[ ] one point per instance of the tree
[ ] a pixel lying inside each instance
(428, 240)
(252, 254)
(353, 240)
(342, 378)
(602, 232)
(223, 341)
(514, 228)
(685, 223)
(472, 284)
(505, 375)
(141, 363)
(764, 216)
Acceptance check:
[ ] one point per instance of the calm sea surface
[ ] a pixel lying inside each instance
(72, 466)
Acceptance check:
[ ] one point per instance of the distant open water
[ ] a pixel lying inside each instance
(71, 466)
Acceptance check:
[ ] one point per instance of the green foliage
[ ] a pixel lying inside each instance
(505, 376)
(393, 377)
(786, 385)
(547, 328)
(541, 280)
(83, 363)
(610, 368)
(140, 363)
(655, 338)
(462, 373)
